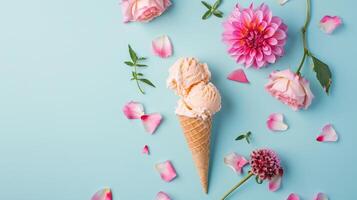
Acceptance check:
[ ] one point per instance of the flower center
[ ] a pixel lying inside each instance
(254, 39)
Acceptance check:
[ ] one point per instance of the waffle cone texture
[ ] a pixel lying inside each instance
(197, 132)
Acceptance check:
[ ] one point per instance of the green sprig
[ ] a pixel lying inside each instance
(212, 10)
(136, 76)
(245, 136)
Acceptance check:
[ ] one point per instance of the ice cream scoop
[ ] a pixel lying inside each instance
(185, 73)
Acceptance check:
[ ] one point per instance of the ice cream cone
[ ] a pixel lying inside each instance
(197, 132)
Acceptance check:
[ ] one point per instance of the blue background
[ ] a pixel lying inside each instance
(63, 85)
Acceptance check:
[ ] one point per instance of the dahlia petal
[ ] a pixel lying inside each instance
(103, 194)
(133, 110)
(272, 41)
(282, 2)
(166, 170)
(162, 46)
(162, 196)
(151, 122)
(275, 122)
(236, 162)
(329, 23)
(239, 76)
(280, 35)
(275, 183)
(328, 134)
(146, 150)
(321, 196)
(293, 196)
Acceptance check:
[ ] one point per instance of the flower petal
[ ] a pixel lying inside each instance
(133, 110)
(282, 2)
(275, 182)
(103, 194)
(166, 170)
(321, 196)
(275, 122)
(329, 23)
(162, 46)
(236, 162)
(239, 76)
(328, 134)
(146, 150)
(293, 196)
(151, 122)
(162, 196)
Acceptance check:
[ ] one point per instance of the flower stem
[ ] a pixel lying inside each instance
(304, 35)
(250, 174)
(137, 81)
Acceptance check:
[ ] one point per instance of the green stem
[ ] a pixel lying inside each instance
(136, 79)
(304, 35)
(236, 186)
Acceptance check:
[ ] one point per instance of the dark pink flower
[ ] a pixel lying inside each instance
(265, 164)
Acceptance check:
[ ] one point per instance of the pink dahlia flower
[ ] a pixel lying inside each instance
(143, 10)
(254, 36)
(290, 88)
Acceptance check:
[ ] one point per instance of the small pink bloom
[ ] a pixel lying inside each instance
(162, 46)
(166, 170)
(329, 23)
(236, 162)
(290, 88)
(321, 196)
(239, 76)
(254, 36)
(143, 10)
(162, 196)
(275, 122)
(151, 122)
(275, 182)
(133, 110)
(104, 194)
(293, 196)
(328, 134)
(146, 150)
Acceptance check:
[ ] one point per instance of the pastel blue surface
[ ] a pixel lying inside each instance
(63, 85)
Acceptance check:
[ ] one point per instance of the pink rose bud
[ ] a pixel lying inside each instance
(143, 10)
(290, 88)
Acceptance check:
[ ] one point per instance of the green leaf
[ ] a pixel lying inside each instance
(218, 13)
(141, 65)
(206, 15)
(247, 139)
(134, 75)
(248, 134)
(142, 58)
(129, 63)
(257, 179)
(147, 82)
(323, 73)
(133, 55)
(241, 137)
(139, 74)
(206, 5)
(216, 4)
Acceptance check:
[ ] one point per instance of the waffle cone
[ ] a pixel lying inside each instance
(197, 133)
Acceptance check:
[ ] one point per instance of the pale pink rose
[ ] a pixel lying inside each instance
(290, 88)
(143, 10)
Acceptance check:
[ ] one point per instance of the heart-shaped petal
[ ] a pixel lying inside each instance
(276, 122)
(151, 122)
(239, 76)
(275, 182)
(236, 162)
(103, 194)
(293, 196)
(133, 110)
(329, 23)
(162, 46)
(328, 134)
(162, 196)
(282, 2)
(166, 170)
(146, 150)
(321, 196)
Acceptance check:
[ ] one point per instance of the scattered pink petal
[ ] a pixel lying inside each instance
(235, 162)
(293, 196)
(239, 76)
(321, 196)
(275, 182)
(162, 196)
(282, 2)
(166, 170)
(151, 122)
(146, 150)
(328, 134)
(162, 46)
(329, 23)
(276, 122)
(133, 110)
(104, 194)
